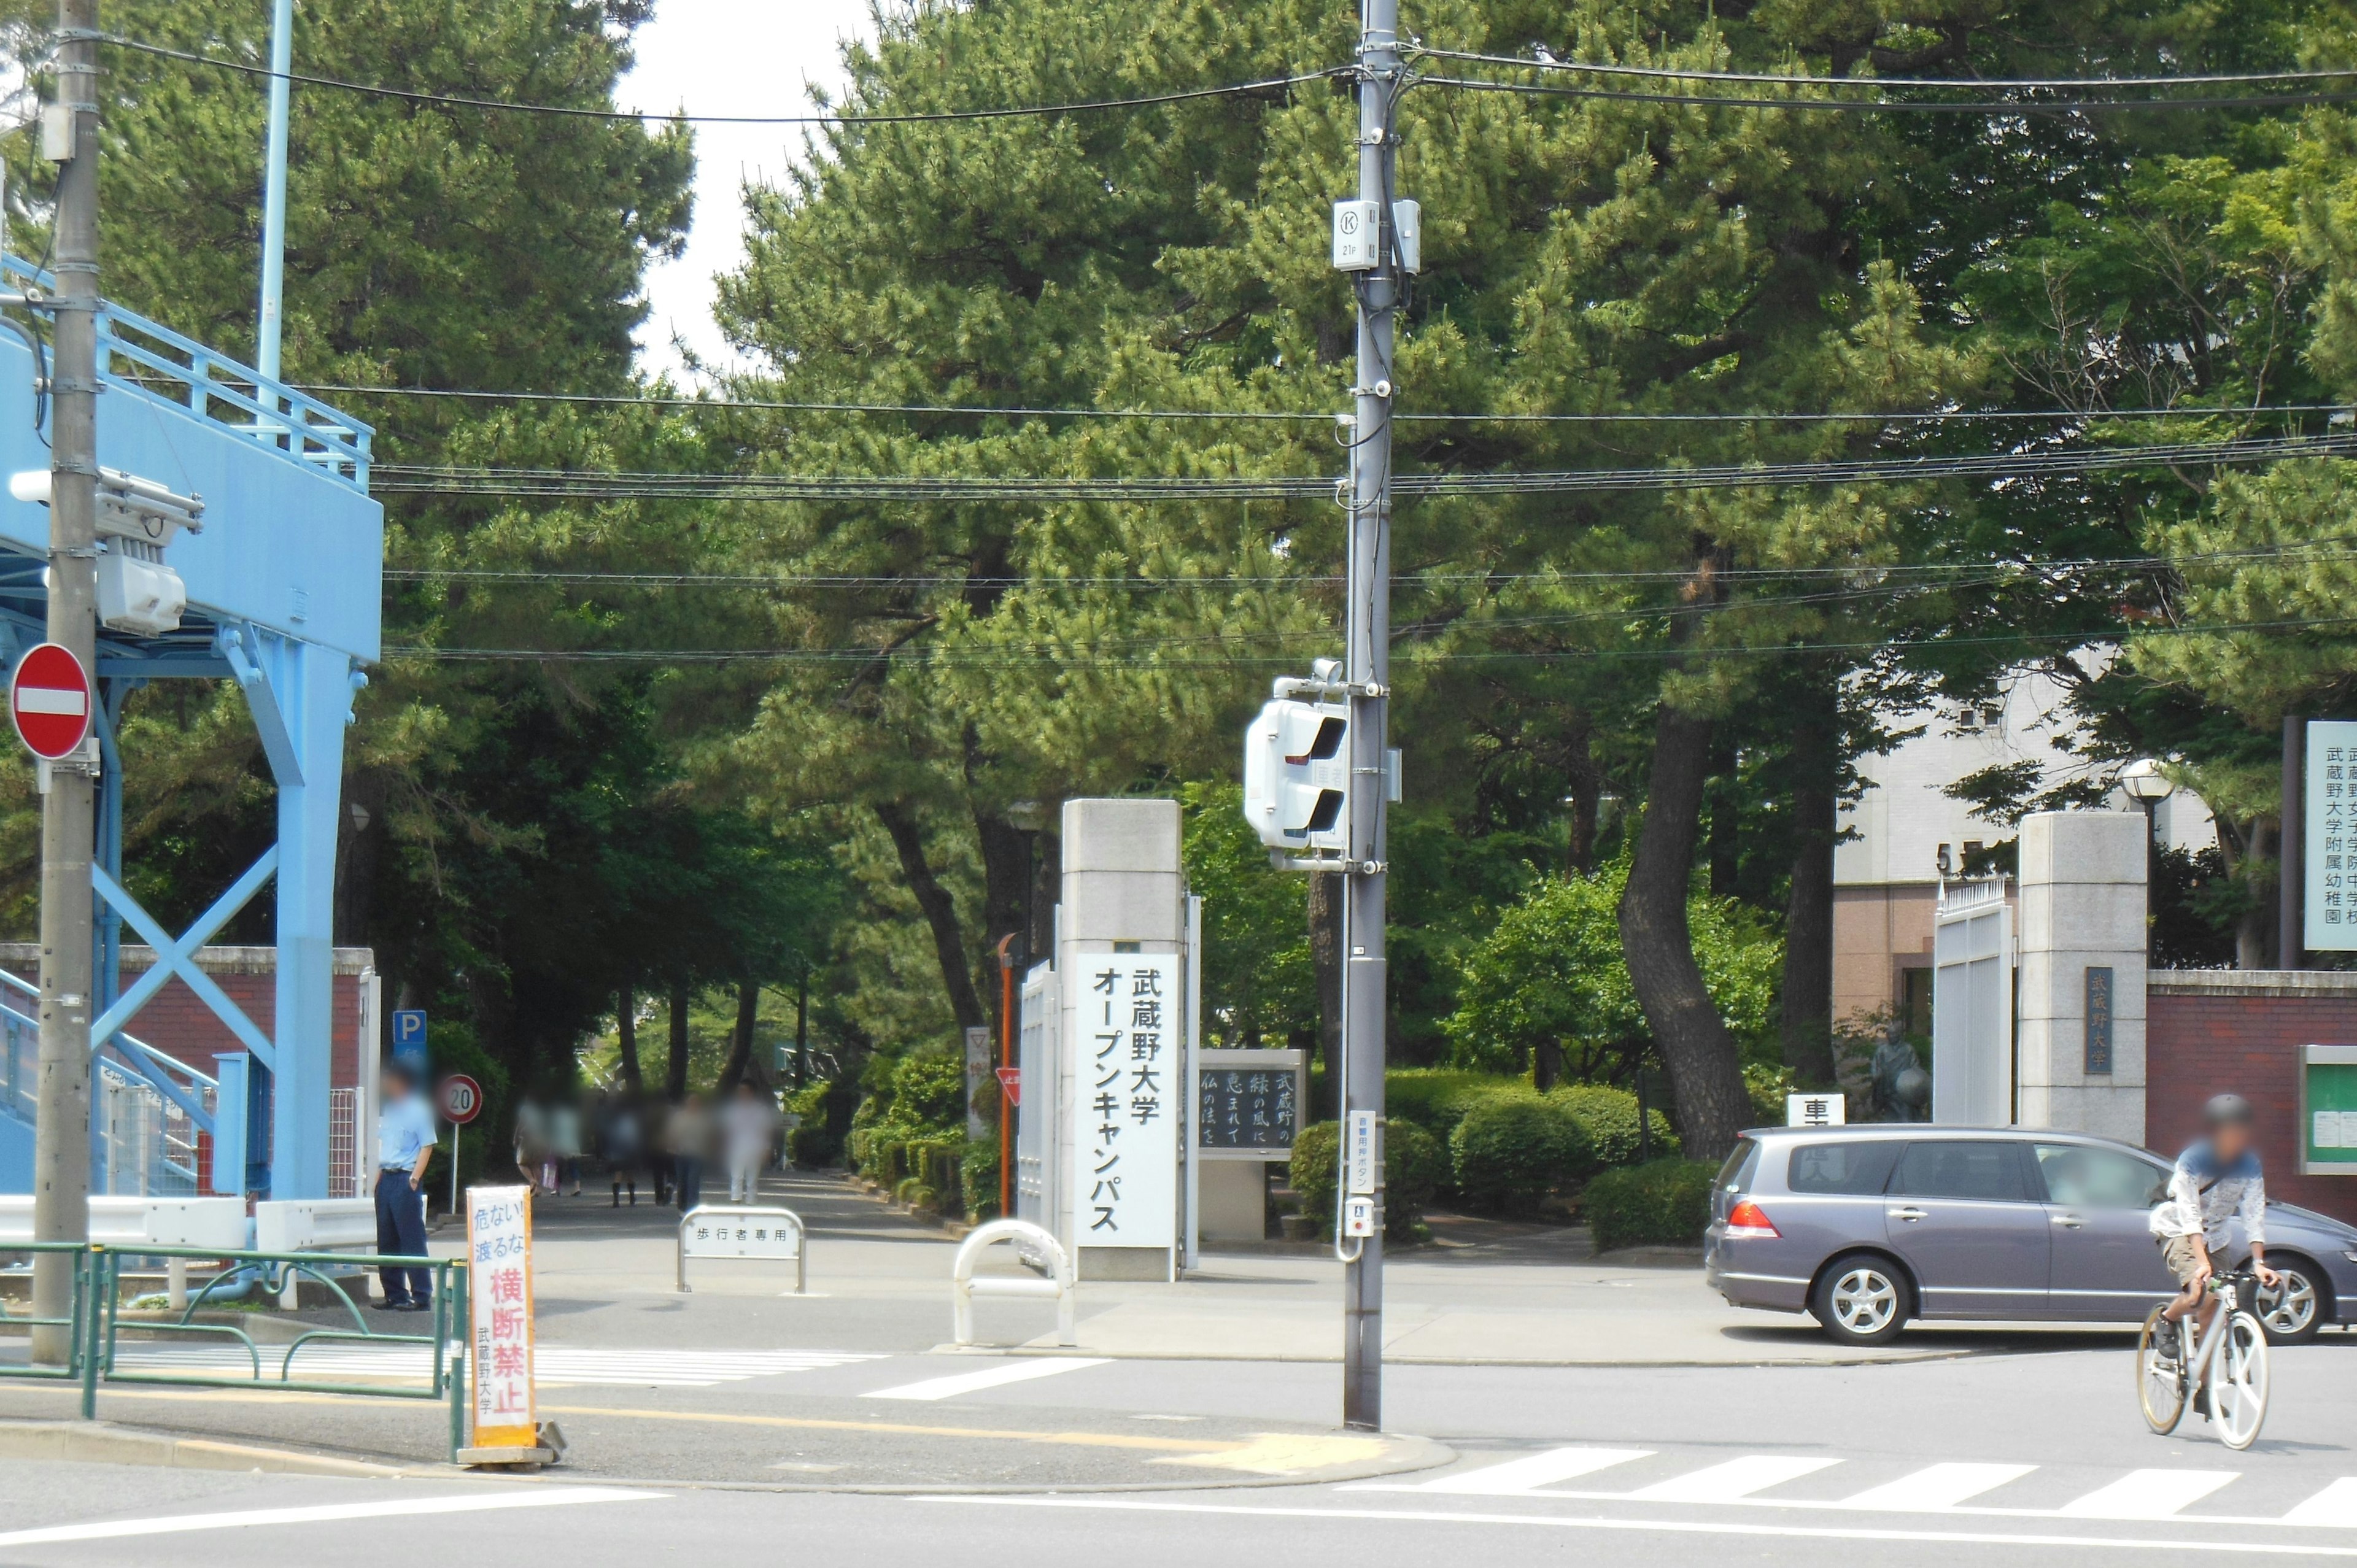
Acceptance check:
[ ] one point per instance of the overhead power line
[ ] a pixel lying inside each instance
(1999, 107)
(393, 479)
(1869, 416)
(1959, 84)
(1919, 572)
(449, 100)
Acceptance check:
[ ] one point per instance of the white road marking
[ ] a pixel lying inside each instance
(1021, 1371)
(1528, 1473)
(1936, 1486)
(2149, 1494)
(400, 1507)
(1735, 1478)
(2337, 1504)
(2177, 1542)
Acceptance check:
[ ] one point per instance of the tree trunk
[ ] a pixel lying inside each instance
(801, 1031)
(1586, 788)
(741, 1066)
(1006, 872)
(1726, 851)
(1706, 1078)
(2251, 931)
(1808, 913)
(675, 1070)
(1326, 961)
(934, 903)
(626, 1030)
(360, 843)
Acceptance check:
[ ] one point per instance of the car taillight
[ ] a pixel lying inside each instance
(1748, 1219)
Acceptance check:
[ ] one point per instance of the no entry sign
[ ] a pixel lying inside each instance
(49, 698)
(461, 1098)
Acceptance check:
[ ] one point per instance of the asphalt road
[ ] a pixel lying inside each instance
(2025, 1456)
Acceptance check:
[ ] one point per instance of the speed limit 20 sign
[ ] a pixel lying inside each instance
(459, 1099)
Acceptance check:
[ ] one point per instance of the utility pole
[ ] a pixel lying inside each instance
(1367, 669)
(273, 190)
(61, 1130)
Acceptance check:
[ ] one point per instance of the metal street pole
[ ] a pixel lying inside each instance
(273, 191)
(1367, 667)
(62, 1128)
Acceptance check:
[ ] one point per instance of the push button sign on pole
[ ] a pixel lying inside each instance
(48, 701)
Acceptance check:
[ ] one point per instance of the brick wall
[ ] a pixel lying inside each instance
(2214, 1032)
(177, 1022)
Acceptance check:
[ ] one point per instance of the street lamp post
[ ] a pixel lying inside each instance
(2144, 782)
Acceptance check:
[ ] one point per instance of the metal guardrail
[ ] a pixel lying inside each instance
(77, 1365)
(98, 1303)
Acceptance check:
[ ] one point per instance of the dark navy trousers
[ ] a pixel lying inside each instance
(401, 1233)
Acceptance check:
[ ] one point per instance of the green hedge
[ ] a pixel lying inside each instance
(1510, 1151)
(978, 1178)
(1609, 1117)
(1414, 1167)
(1663, 1203)
(1436, 1099)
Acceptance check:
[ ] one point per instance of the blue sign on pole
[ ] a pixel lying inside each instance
(409, 1037)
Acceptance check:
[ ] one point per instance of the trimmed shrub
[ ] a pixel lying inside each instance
(1413, 1167)
(1436, 1099)
(1609, 1117)
(978, 1178)
(1660, 1203)
(1511, 1151)
(1415, 1164)
(1315, 1171)
(824, 1121)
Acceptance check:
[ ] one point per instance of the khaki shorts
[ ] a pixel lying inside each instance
(2182, 1256)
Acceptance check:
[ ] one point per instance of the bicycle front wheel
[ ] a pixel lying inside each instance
(2238, 1382)
(2160, 1380)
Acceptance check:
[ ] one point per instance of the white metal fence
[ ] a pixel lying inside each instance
(345, 1178)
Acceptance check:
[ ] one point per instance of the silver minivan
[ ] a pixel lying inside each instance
(1866, 1228)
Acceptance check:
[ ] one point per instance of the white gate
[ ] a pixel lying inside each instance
(1972, 1005)
(1036, 1119)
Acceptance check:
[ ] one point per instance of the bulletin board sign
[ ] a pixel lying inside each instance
(1248, 1103)
(499, 1282)
(2328, 1110)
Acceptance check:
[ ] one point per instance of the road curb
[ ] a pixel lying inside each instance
(1905, 1359)
(104, 1443)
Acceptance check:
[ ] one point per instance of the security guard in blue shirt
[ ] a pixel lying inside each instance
(404, 1143)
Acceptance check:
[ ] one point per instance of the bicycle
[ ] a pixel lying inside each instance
(2229, 1366)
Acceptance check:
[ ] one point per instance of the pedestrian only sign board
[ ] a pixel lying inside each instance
(48, 700)
(499, 1290)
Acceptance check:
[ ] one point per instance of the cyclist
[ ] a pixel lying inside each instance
(2216, 1182)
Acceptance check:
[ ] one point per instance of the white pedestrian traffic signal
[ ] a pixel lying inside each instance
(1298, 776)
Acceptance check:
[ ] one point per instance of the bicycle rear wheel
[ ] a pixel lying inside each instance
(2238, 1382)
(2160, 1380)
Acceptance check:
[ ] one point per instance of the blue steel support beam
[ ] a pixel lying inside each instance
(255, 658)
(177, 956)
(314, 689)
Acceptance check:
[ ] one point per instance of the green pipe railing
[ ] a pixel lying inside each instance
(98, 1326)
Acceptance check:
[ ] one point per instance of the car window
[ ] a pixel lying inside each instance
(2100, 1178)
(1848, 1165)
(1983, 1168)
(1736, 1174)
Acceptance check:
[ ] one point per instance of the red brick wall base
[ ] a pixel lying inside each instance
(2201, 1042)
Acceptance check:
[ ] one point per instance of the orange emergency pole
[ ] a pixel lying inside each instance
(1005, 1059)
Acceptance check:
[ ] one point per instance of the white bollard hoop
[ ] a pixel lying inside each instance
(1029, 1238)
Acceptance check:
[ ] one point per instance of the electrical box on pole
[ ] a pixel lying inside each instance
(1298, 776)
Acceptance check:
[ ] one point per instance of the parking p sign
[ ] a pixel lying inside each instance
(409, 1037)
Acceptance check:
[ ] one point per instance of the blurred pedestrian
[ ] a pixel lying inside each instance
(404, 1143)
(624, 1138)
(749, 1128)
(565, 1145)
(687, 1139)
(532, 1144)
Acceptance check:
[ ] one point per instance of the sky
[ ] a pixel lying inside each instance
(728, 57)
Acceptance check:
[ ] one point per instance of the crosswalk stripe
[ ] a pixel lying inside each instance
(1735, 1478)
(1937, 1487)
(1530, 1473)
(551, 1363)
(988, 1377)
(2149, 1494)
(2337, 1504)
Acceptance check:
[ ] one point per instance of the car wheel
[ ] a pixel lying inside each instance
(1861, 1298)
(2294, 1313)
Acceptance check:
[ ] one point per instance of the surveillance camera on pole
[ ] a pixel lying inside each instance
(136, 519)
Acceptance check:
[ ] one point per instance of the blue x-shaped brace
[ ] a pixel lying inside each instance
(177, 956)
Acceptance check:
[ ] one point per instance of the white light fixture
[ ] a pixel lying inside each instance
(2144, 782)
